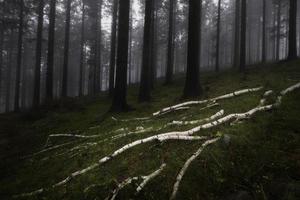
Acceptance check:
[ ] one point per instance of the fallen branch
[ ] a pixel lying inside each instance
(213, 117)
(187, 164)
(236, 93)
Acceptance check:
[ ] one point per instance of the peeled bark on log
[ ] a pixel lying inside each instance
(213, 117)
(236, 93)
(187, 164)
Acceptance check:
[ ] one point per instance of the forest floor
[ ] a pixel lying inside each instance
(256, 159)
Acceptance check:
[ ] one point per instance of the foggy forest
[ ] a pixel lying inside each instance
(150, 99)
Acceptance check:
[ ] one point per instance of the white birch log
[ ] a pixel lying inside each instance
(148, 178)
(213, 117)
(187, 164)
(121, 186)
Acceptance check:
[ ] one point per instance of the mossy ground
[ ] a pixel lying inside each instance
(262, 159)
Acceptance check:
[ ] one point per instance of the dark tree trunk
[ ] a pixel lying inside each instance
(278, 31)
(119, 99)
(243, 36)
(292, 52)
(66, 49)
(8, 71)
(153, 45)
(170, 53)
(50, 58)
(1, 56)
(19, 56)
(113, 48)
(264, 44)
(217, 67)
(82, 55)
(145, 85)
(192, 83)
(38, 55)
(237, 33)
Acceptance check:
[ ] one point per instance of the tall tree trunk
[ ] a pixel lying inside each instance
(292, 52)
(8, 71)
(217, 67)
(97, 53)
(119, 99)
(243, 36)
(38, 55)
(145, 86)
(19, 56)
(192, 83)
(50, 58)
(66, 49)
(130, 46)
(113, 48)
(154, 45)
(1, 57)
(278, 31)
(170, 53)
(82, 54)
(237, 33)
(264, 44)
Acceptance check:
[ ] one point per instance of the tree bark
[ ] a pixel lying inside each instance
(278, 31)
(119, 99)
(192, 83)
(264, 44)
(8, 71)
(82, 54)
(113, 48)
(19, 56)
(170, 53)
(38, 55)
(1, 55)
(292, 52)
(237, 33)
(50, 59)
(145, 87)
(66, 50)
(217, 67)
(243, 36)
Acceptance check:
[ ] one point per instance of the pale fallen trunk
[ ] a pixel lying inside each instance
(213, 117)
(234, 94)
(187, 164)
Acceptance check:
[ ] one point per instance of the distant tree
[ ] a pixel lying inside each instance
(113, 47)
(38, 55)
(97, 72)
(145, 85)
(292, 51)
(192, 83)
(237, 29)
(1, 52)
(217, 67)
(50, 58)
(264, 21)
(66, 49)
(243, 36)
(278, 29)
(19, 55)
(82, 54)
(170, 53)
(9, 69)
(119, 102)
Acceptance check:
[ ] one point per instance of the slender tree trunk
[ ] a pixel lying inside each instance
(243, 36)
(278, 31)
(292, 52)
(170, 53)
(50, 58)
(145, 85)
(113, 48)
(38, 55)
(119, 99)
(82, 54)
(19, 56)
(217, 67)
(264, 44)
(1, 57)
(8, 71)
(192, 83)
(153, 45)
(66, 50)
(130, 46)
(237, 33)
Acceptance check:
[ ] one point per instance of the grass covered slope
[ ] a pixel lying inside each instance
(256, 159)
